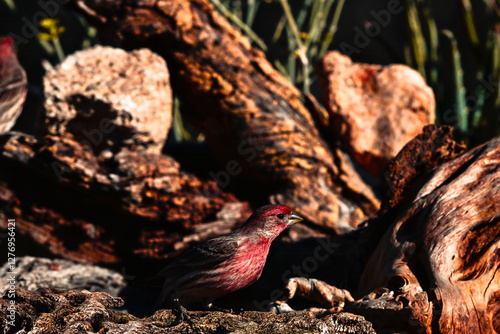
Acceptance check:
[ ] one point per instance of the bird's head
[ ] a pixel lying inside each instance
(270, 220)
(7, 47)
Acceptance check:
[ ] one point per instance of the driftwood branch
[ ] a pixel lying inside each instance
(440, 253)
(132, 206)
(248, 112)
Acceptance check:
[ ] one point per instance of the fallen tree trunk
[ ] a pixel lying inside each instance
(252, 117)
(136, 208)
(436, 267)
(441, 253)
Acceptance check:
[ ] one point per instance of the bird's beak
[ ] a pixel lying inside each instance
(294, 219)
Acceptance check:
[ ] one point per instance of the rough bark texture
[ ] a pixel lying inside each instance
(442, 251)
(375, 109)
(248, 112)
(74, 311)
(436, 269)
(109, 99)
(430, 149)
(131, 206)
(380, 307)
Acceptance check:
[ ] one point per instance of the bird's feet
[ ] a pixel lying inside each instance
(182, 313)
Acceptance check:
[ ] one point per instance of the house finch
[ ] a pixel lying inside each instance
(227, 263)
(12, 85)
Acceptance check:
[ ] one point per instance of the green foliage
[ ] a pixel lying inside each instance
(475, 114)
(306, 32)
(305, 35)
(49, 38)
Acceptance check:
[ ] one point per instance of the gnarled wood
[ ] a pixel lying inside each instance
(78, 311)
(134, 206)
(248, 112)
(442, 252)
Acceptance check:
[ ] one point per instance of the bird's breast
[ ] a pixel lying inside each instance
(246, 266)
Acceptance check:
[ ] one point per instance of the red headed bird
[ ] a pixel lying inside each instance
(227, 263)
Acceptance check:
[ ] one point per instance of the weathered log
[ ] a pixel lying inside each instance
(98, 189)
(75, 311)
(132, 206)
(430, 149)
(436, 268)
(251, 116)
(441, 254)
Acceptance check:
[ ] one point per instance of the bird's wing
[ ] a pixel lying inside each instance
(205, 255)
(210, 252)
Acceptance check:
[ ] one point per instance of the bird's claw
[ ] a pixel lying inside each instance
(182, 313)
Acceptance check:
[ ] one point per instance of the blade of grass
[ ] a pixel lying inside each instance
(279, 30)
(303, 13)
(180, 133)
(468, 19)
(490, 123)
(11, 4)
(301, 51)
(333, 28)
(461, 111)
(418, 47)
(431, 34)
(253, 6)
(240, 24)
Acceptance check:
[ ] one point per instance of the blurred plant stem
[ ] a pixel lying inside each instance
(51, 35)
(460, 106)
(489, 123)
(468, 19)
(11, 4)
(180, 133)
(430, 32)
(417, 41)
(240, 24)
(253, 6)
(301, 48)
(333, 28)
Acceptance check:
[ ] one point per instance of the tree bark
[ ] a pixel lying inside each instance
(441, 252)
(135, 208)
(252, 117)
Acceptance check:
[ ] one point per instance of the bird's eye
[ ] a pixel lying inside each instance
(281, 216)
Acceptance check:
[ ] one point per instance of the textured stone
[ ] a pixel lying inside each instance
(375, 109)
(108, 98)
(33, 273)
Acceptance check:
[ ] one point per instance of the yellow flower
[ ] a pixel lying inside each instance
(54, 30)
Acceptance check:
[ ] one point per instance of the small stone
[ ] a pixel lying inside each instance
(108, 98)
(375, 109)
